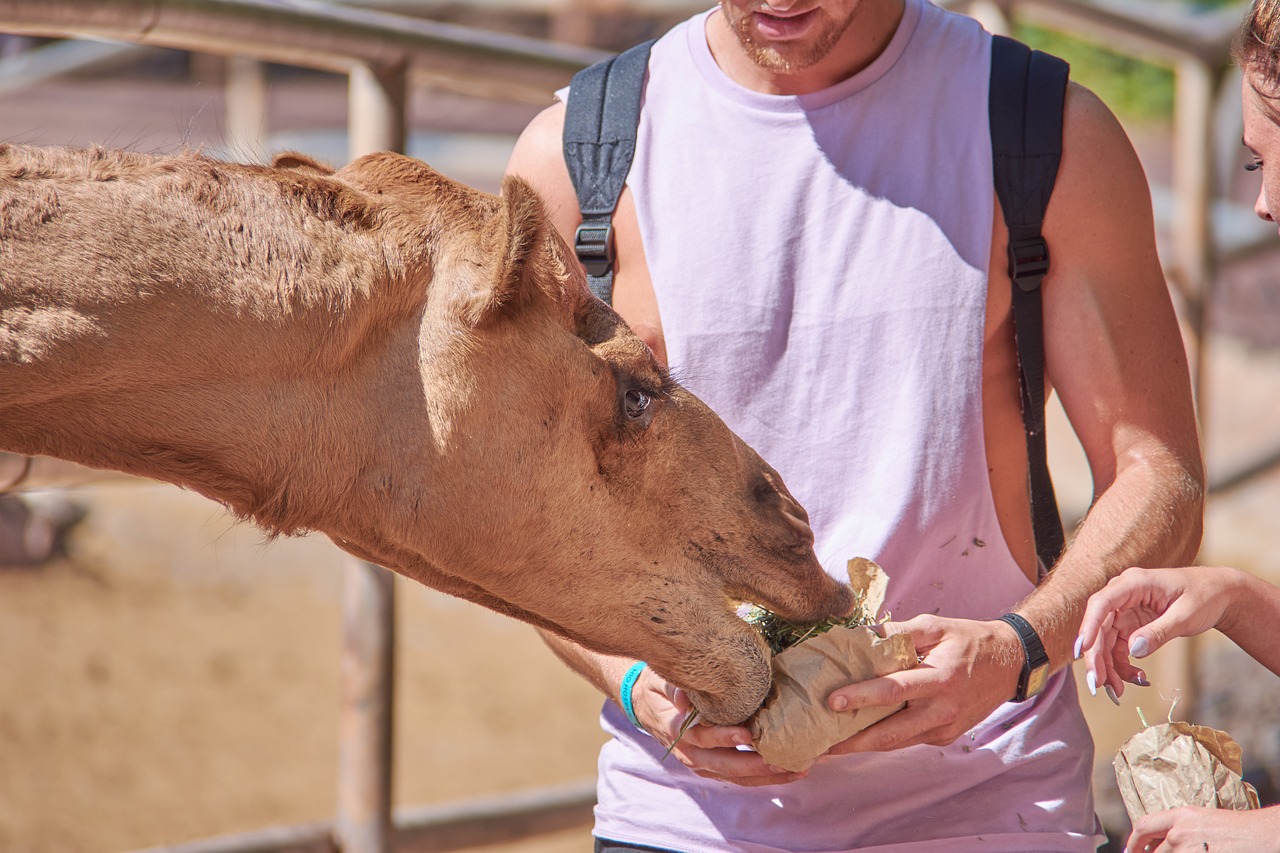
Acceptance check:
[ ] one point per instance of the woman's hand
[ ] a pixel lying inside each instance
(1193, 830)
(1140, 610)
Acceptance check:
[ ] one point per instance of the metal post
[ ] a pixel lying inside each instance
(993, 17)
(574, 21)
(376, 122)
(376, 110)
(1193, 178)
(1196, 87)
(363, 823)
(246, 109)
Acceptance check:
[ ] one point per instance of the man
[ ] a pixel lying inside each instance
(810, 234)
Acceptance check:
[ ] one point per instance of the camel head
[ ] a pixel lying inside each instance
(418, 370)
(589, 489)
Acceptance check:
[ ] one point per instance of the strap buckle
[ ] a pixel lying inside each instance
(593, 244)
(1028, 262)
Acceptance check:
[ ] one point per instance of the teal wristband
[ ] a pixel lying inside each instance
(624, 692)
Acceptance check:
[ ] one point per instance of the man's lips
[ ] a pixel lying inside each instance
(785, 26)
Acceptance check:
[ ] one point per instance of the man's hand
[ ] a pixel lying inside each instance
(967, 669)
(709, 751)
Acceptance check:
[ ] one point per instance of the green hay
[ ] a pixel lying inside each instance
(782, 633)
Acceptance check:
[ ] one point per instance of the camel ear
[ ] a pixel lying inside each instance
(300, 162)
(515, 238)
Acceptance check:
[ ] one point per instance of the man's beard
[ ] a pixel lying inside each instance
(784, 58)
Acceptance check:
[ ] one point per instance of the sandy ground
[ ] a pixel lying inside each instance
(176, 677)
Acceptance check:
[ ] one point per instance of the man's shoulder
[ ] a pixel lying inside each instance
(540, 142)
(538, 158)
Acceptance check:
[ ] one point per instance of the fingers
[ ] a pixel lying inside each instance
(912, 726)
(1179, 620)
(927, 718)
(1115, 595)
(1150, 831)
(718, 752)
(713, 752)
(887, 690)
(926, 631)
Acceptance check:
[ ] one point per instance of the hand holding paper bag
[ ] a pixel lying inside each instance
(795, 726)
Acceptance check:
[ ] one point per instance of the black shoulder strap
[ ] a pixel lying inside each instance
(1028, 91)
(600, 124)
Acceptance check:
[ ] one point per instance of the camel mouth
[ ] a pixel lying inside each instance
(803, 602)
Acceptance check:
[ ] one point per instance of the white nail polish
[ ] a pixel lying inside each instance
(1079, 647)
(1139, 648)
(1111, 694)
(1092, 681)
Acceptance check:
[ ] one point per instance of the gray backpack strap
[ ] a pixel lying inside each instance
(1028, 93)
(600, 124)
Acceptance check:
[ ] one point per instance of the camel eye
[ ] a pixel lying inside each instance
(636, 403)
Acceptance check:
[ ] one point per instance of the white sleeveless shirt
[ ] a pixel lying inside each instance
(820, 264)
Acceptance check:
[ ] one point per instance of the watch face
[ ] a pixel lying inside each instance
(1036, 680)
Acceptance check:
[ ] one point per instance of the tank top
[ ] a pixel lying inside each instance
(820, 265)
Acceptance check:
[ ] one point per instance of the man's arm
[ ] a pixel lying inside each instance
(1114, 352)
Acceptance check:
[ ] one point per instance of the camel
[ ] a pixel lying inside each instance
(410, 366)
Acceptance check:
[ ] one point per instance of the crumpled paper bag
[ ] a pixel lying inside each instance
(794, 725)
(1180, 764)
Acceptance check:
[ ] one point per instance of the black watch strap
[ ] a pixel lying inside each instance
(1035, 662)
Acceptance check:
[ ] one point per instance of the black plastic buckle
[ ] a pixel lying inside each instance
(593, 243)
(1028, 262)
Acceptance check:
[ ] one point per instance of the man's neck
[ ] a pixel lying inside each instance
(866, 37)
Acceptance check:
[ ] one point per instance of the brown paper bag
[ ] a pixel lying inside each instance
(795, 726)
(1179, 764)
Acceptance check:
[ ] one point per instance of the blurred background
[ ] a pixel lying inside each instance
(167, 675)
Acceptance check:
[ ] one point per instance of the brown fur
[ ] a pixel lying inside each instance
(409, 365)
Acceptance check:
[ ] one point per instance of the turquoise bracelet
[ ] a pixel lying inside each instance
(624, 692)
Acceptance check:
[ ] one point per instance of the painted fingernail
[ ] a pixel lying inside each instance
(1140, 679)
(1111, 694)
(1091, 680)
(1079, 647)
(839, 703)
(1140, 648)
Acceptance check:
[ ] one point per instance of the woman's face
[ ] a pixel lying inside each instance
(1262, 138)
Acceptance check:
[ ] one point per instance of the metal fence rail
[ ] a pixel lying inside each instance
(314, 35)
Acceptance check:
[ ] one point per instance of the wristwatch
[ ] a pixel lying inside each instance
(1035, 663)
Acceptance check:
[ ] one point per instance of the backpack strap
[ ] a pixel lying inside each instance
(1028, 92)
(600, 124)
(1027, 95)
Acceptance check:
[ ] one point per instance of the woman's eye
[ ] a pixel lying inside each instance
(1253, 165)
(636, 403)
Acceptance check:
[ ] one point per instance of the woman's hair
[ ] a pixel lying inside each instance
(1257, 44)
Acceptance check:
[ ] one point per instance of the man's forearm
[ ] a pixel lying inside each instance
(1151, 515)
(604, 671)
